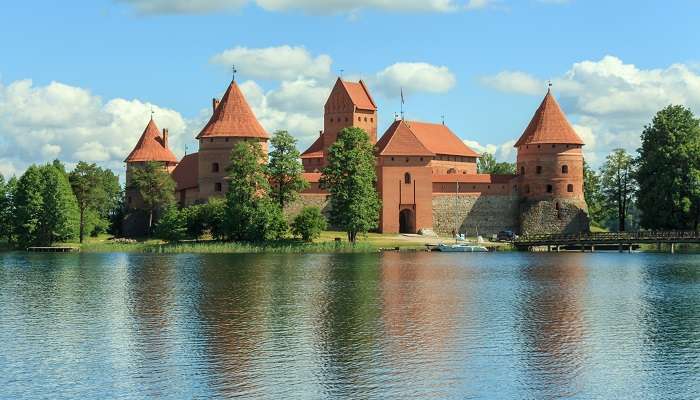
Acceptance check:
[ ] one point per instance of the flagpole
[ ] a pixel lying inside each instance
(402, 104)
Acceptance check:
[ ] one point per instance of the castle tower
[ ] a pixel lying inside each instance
(349, 105)
(151, 147)
(232, 121)
(550, 174)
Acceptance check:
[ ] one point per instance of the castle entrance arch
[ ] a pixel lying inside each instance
(407, 221)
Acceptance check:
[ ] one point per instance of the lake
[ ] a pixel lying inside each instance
(364, 326)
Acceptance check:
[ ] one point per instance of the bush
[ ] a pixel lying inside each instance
(172, 225)
(309, 224)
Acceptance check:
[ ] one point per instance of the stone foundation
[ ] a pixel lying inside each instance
(489, 214)
(553, 216)
(307, 200)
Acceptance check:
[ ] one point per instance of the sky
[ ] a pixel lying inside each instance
(79, 79)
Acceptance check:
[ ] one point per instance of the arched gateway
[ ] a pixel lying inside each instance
(407, 221)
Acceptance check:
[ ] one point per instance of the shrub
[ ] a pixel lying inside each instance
(309, 224)
(172, 225)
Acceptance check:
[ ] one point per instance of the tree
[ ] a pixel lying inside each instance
(95, 190)
(593, 194)
(29, 203)
(487, 164)
(351, 178)
(5, 210)
(172, 225)
(60, 214)
(155, 186)
(285, 170)
(250, 214)
(309, 223)
(618, 184)
(669, 171)
(214, 217)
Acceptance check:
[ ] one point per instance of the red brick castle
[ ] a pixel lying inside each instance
(427, 176)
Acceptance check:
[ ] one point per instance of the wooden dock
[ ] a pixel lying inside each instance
(53, 249)
(624, 241)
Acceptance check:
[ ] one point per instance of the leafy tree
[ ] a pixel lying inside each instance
(60, 219)
(309, 223)
(487, 164)
(350, 177)
(669, 170)
(96, 192)
(618, 185)
(250, 214)
(285, 170)
(10, 210)
(155, 186)
(593, 194)
(214, 215)
(5, 210)
(172, 225)
(29, 205)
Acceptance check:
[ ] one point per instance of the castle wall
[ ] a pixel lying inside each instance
(319, 200)
(410, 194)
(443, 165)
(555, 216)
(487, 213)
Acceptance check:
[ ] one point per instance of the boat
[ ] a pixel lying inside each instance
(461, 248)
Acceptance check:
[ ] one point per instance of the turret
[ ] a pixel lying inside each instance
(550, 173)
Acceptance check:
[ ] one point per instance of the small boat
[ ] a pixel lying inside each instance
(461, 248)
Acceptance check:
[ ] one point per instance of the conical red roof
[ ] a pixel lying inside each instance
(233, 117)
(151, 147)
(413, 138)
(549, 126)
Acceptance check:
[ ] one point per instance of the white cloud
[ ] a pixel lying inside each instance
(413, 77)
(609, 100)
(308, 6)
(503, 152)
(41, 123)
(278, 63)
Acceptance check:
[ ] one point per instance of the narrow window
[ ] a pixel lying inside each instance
(365, 119)
(217, 187)
(522, 170)
(570, 188)
(215, 167)
(406, 159)
(359, 119)
(564, 169)
(539, 169)
(556, 206)
(407, 178)
(211, 140)
(549, 188)
(371, 120)
(227, 139)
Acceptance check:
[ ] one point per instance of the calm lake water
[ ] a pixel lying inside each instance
(391, 326)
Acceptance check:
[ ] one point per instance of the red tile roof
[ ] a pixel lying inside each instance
(359, 94)
(186, 173)
(474, 178)
(233, 117)
(312, 177)
(315, 150)
(549, 126)
(400, 140)
(405, 138)
(150, 147)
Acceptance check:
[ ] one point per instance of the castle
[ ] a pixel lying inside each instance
(426, 175)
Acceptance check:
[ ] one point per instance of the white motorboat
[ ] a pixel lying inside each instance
(461, 248)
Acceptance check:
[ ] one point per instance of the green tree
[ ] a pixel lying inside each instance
(29, 205)
(618, 185)
(250, 213)
(96, 192)
(214, 215)
(309, 223)
(10, 211)
(593, 194)
(669, 171)
(172, 225)
(285, 170)
(5, 210)
(487, 164)
(60, 216)
(351, 178)
(155, 186)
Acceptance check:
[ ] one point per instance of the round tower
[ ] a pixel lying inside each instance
(550, 174)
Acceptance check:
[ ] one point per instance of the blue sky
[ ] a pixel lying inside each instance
(78, 79)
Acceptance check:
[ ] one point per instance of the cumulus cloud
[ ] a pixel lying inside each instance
(503, 152)
(308, 6)
(279, 63)
(609, 100)
(413, 77)
(41, 123)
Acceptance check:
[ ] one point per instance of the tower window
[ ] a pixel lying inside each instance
(522, 170)
(215, 167)
(211, 140)
(407, 159)
(539, 169)
(407, 178)
(365, 119)
(564, 169)
(331, 119)
(549, 188)
(346, 119)
(371, 120)
(359, 119)
(217, 187)
(570, 188)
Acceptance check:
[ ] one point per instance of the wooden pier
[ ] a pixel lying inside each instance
(57, 249)
(623, 241)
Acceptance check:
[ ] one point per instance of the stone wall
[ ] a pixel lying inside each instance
(307, 200)
(553, 216)
(487, 213)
